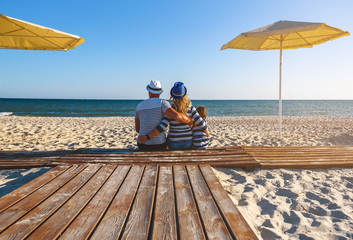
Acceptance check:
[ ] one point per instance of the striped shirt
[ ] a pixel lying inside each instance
(150, 113)
(199, 138)
(181, 131)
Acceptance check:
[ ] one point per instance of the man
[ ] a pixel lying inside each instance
(148, 116)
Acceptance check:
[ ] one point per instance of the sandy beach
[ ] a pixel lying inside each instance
(278, 204)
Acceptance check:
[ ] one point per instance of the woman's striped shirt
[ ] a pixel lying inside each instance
(181, 131)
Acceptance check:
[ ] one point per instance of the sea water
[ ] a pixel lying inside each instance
(111, 108)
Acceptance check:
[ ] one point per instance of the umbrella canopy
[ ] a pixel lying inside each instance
(285, 35)
(18, 34)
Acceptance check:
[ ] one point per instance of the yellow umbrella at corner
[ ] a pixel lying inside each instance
(285, 35)
(18, 34)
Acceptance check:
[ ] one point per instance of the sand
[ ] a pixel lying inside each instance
(278, 204)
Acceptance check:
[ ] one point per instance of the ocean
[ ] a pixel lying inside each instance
(111, 108)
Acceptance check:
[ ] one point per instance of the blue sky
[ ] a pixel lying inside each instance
(130, 42)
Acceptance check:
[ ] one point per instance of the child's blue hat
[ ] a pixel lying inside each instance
(178, 90)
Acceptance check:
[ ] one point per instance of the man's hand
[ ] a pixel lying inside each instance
(142, 138)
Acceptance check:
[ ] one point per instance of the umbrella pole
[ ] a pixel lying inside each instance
(280, 91)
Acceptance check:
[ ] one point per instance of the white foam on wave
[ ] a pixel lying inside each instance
(5, 114)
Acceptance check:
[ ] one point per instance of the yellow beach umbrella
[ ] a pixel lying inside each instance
(285, 35)
(18, 34)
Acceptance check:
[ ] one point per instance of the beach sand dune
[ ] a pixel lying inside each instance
(278, 204)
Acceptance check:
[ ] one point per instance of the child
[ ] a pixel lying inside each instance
(200, 138)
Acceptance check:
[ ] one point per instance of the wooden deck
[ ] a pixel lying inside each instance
(247, 158)
(122, 202)
(114, 194)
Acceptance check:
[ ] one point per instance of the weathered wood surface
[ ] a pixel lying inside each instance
(302, 157)
(247, 158)
(22, 159)
(123, 202)
(24, 191)
(221, 157)
(14, 163)
(25, 154)
(164, 224)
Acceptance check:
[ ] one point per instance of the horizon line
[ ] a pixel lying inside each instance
(136, 99)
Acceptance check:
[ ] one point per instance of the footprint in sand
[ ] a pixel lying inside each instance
(339, 214)
(268, 234)
(267, 207)
(286, 193)
(313, 196)
(318, 211)
(261, 182)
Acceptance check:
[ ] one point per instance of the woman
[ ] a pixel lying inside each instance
(180, 134)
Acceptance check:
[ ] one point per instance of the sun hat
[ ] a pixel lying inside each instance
(154, 87)
(178, 90)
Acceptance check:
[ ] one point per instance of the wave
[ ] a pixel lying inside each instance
(5, 114)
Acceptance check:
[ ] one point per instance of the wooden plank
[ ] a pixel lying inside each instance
(9, 165)
(211, 218)
(22, 227)
(207, 152)
(26, 154)
(58, 221)
(235, 162)
(185, 153)
(293, 159)
(112, 223)
(20, 193)
(166, 160)
(139, 219)
(299, 149)
(306, 154)
(16, 211)
(159, 159)
(15, 160)
(115, 151)
(164, 223)
(188, 219)
(83, 226)
(235, 221)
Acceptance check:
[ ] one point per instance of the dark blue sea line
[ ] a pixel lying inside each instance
(110, 108)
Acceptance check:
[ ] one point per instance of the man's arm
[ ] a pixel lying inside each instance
(137, 125)
(154, 133)
(159, 129)
(179, 117)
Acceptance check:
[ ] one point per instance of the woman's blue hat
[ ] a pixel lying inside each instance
(178, 90)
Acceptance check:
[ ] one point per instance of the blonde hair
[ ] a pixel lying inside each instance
(202, 111)
(182, 105)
